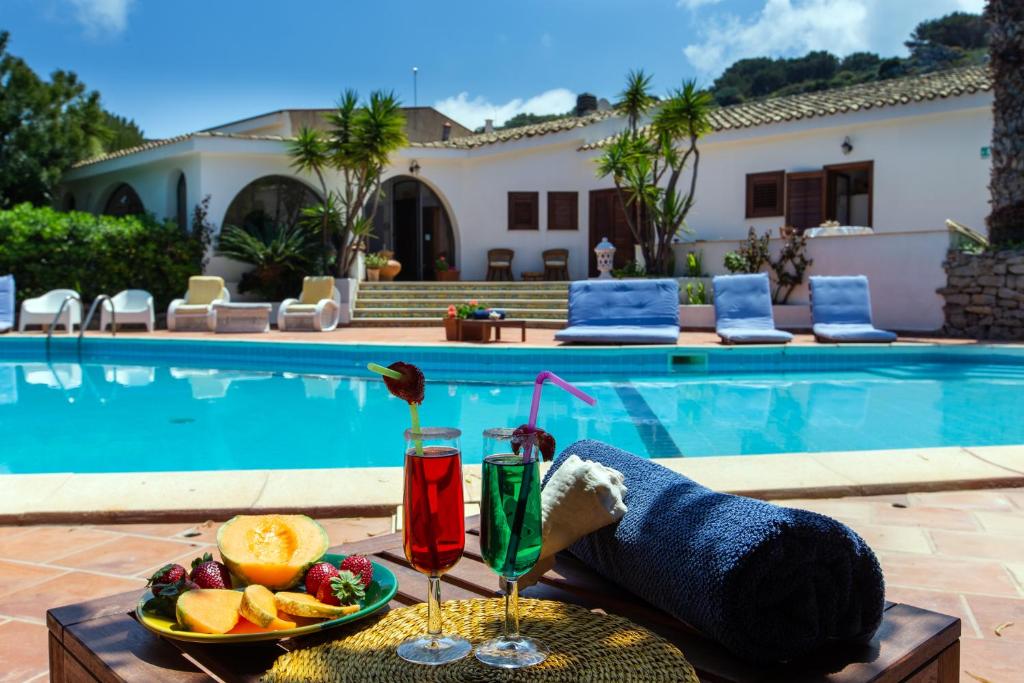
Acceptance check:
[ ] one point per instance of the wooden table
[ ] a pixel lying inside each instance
(101, 641)
(486, 325)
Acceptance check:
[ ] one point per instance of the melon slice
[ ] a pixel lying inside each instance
(259, 607)
(245, 627)
(208, 610)
(305, 605)
(271, 550)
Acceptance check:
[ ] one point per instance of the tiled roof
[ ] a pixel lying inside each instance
(518, 133)
(163, 142)
(873, 95)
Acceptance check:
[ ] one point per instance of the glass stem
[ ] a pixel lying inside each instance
(434, 607)
(511, 608)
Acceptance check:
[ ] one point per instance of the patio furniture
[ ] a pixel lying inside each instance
(100, 640)
(130, 306)
(468, 329)
(556, 264)
(42, 309)
(241, 317)
(6, 303)
(622, 312)
(743, 310)
(841, 310)
(533, 276)
(499, 264)
(195, 310)
(317, 308)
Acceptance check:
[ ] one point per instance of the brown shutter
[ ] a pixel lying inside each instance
(805, 199)
(563, 210)
(764, 194)
(523, 213)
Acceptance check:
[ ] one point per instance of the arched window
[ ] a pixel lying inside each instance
(124, 202)
(269, 203)
(181, 203)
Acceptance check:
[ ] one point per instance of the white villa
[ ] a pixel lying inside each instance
(899, 156)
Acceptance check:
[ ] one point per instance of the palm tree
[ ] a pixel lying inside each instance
(1006, 30)
(309, 154)
(636, 98)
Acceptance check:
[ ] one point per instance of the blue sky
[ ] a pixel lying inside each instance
(181, 65)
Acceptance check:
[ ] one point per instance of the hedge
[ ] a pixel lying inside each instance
(47, 249)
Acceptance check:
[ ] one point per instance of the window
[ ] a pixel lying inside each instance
(268, 204)
(563, 211)
(181, 203)
(124, 202)
(848, 193)
(522, 210)
(764, 194)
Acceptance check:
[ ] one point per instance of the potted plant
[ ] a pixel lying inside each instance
(374, 262)
(457, 312)
(391, 267)
(444, 271)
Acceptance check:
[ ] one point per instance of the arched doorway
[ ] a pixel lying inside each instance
(412, 222)
(124, 201)
(268, 204)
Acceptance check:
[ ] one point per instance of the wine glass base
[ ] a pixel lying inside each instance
(511, 653)
(434, 651)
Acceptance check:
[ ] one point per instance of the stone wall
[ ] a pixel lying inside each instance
(984, 295)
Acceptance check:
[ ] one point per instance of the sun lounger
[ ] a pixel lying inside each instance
(317, 308)
(622, 312)
(195, 311)
(6, 303)
(42, 309)
(841, 310)
(743, 310)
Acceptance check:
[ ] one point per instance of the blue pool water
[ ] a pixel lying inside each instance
(168, 408)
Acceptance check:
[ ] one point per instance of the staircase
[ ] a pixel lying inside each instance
(394, 304)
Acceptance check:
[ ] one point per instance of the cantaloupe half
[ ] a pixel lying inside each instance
(208, 610)
(259, 607)
(271, 550)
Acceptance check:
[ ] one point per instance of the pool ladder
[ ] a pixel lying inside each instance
(85, 323)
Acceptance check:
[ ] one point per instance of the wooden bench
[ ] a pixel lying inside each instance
(101, 641)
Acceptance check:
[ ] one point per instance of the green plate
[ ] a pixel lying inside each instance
(378, 594)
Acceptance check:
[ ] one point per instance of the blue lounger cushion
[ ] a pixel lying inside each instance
(743, 310)
(841, 310)
(769, 583)
(623, 312)
(6, 303)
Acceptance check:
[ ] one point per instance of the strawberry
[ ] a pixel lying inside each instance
(167, 575)
(317, 574)
(524, 435)
(411, 387)
(208, 573)
(344, 589)
(165, 595)
(359, 565)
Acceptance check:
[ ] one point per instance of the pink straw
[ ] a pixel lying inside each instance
(538, 386)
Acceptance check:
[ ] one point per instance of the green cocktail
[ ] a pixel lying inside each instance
(503, 479)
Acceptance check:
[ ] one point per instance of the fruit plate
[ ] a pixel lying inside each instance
(378, 594)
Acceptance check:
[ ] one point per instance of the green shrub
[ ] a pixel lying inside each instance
(47, 249)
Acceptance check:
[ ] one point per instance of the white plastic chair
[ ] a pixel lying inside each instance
(41, 309)
(312, 310)
(130, 306)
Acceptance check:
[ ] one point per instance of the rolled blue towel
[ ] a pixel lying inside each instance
(771, 584)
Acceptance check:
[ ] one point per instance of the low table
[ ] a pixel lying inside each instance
(482, 329)
(242, 317)
(100, 640)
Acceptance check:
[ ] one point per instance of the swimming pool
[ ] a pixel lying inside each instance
(162, 405)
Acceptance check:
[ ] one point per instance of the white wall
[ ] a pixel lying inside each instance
(904, 270)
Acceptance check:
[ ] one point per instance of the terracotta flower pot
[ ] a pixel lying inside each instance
(372, 274)
(388, 272)
(451, 329)
(450, 275)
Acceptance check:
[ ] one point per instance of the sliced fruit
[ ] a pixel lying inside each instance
(208, 610)
(246, 626)
(271, 550)
(304, 605)
(258, 605)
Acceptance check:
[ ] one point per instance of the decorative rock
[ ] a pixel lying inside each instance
(984, 295)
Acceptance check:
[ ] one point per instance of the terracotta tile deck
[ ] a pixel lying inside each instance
(954, 552)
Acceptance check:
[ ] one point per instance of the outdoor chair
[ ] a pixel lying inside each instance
(556, 264)
(622, 312)
(841, 310)
(743, 310)
(317, 308)
(195, 311)
(42, 309)
(130, 306)
(6, 303)
(499, 264)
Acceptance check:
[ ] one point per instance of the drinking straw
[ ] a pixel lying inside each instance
(414, 411)
(527, 483)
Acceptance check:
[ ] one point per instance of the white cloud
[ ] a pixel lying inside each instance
(472, 112)
(786, 28)
(102, 16)
(694, 5)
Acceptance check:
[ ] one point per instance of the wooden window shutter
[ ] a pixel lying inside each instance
(765, 194)
(563, 210)
(805, 199)
(523, 213)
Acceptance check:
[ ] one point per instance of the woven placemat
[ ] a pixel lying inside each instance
(583, 646)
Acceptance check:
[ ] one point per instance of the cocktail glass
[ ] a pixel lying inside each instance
(510, 539)
(434, 532)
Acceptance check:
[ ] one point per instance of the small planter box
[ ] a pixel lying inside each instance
(698, 317)
(451, 329)
(450, 275)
